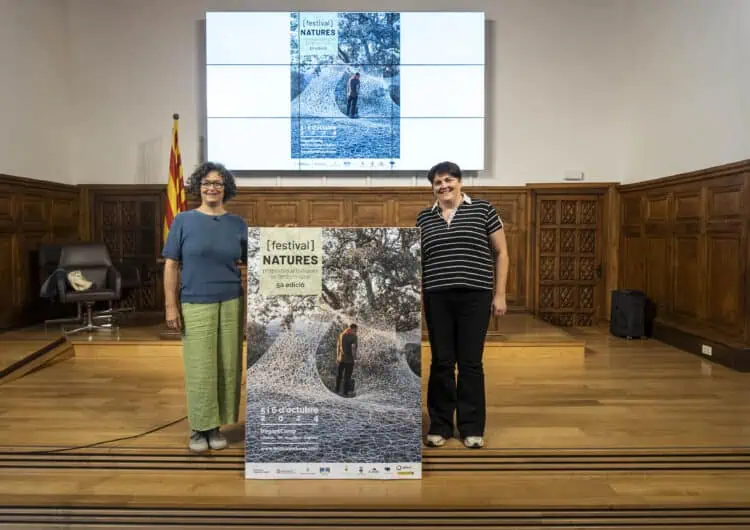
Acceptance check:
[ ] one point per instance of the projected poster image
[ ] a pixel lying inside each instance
(345, 91)
(345, 87)
(334, 354)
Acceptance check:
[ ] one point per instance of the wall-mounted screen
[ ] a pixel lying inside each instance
(375, 91)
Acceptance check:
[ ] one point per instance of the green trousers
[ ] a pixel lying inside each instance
(211, 345)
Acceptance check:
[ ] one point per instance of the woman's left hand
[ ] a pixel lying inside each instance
(499, 305)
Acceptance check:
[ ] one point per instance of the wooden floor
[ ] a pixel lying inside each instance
(584, 430)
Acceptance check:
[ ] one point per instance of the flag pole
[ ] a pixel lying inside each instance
(175, 193)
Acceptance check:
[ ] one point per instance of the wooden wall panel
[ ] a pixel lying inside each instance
(325, 213)
(31, 212)
(612, 223)
(687, 294)
(406, 211)
(684, 241)
(8, 311)
(247, 209)
(7, 198)
(725, 274)
(281, 212)
(382, 207)
(392, 207)
(129, 220)
(369, 213)
(658, 269)
(632, 269)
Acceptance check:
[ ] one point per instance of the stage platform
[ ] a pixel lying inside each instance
(584, 431)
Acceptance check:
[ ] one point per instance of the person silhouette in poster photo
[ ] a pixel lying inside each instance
(346, 355)
(203, 292)
(464, 271)
(352, 95)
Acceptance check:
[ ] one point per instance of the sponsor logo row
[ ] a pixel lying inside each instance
(316, 470)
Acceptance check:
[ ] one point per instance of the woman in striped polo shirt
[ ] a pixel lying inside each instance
(464, 271)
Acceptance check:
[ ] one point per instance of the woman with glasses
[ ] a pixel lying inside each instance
(203, 292)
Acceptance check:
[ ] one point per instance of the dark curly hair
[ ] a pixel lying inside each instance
(194, 182)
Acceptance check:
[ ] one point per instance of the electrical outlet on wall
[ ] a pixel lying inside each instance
(706, 350)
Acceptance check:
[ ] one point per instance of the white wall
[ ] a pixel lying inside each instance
(33, 91)
(623, 90)
(554, 85)
(688, 73)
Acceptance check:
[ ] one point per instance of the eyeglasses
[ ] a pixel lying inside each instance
(212, 184)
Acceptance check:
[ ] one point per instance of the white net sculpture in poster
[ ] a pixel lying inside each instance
(309, 415)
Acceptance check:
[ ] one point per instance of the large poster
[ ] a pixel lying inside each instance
(345, 96)
(334, 353)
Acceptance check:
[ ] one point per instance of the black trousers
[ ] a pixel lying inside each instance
(351, 106)
(345, 370)
(457, 322)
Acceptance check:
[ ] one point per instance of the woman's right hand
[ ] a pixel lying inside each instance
(173, 318)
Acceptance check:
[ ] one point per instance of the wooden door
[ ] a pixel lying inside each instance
(568, 290)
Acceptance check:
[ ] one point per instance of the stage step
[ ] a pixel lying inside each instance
(434, 461)
(621, 518)
(22, 361)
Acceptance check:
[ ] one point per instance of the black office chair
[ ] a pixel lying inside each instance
(130, 282)
(94, 262)
(47, 256)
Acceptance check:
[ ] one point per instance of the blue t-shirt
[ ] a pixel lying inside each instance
(208, 247)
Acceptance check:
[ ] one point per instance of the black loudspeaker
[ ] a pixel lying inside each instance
(628, 316)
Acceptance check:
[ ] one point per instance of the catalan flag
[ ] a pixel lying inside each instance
(176, 201)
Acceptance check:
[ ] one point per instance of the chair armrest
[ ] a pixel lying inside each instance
(62, 285)
(130, 272)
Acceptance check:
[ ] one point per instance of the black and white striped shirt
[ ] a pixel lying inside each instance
(459, 254)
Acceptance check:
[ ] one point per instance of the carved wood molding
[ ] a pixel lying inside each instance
(724, 170)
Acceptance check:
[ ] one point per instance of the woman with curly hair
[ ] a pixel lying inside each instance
(202, 252)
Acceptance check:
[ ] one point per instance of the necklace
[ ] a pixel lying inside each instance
(448, 214)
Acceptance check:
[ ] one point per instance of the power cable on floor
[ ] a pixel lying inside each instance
(89, 446)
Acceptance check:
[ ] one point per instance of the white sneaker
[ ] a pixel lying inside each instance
(474, 442)
(217, 440)
(435, 440)
(198, 442)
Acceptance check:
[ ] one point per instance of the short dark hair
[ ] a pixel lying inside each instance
(450, 168)
(353, 326)
(194, 182)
